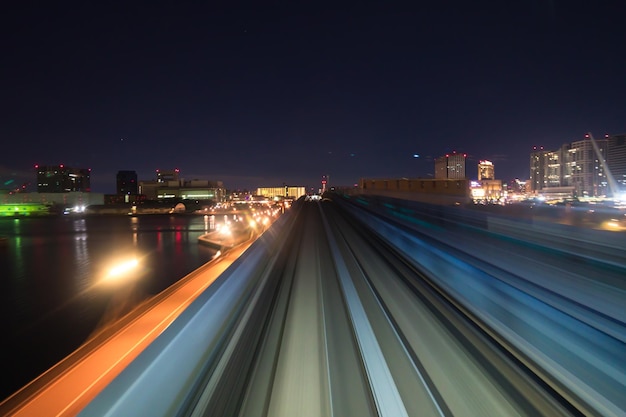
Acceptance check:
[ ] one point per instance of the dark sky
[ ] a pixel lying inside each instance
(287, 92)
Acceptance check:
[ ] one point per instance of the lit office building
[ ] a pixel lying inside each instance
(557, 172)
(616, 158)
(575, 169)
(485, 171)
(585, 170)
(186, 190)
(450, 166)
(286, 191)
(487, 188)
(62, 179)
(169, 185)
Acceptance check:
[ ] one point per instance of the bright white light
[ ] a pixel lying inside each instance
(122, 269)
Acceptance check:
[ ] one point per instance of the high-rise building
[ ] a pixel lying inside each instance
(555, 168)
(576, 167)
(616, 158)
(450, 166)
(62, 179)
(586, 172)
(486, 171)
(537, 168)
(127, 183)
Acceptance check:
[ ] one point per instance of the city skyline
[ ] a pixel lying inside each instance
(470, 162)
(256, 96)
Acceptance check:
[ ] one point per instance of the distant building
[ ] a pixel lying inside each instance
(169, 185)
(537, 168)
(517, 186)
(433, 191)
(486, 171)
(450, 166)
(191, 190)
(584, 168)
(293, 192)
(24, 209)
(616, 158)
(575, 169)
(168, 175)
(62, 179)
(489, 191)
(71, 199)
(127, 183)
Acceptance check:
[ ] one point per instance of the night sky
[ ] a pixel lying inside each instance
(283, 93)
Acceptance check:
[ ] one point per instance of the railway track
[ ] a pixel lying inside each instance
(325, 316)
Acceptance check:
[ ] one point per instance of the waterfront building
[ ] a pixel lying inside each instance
(62, 179)
(168, 175)
(169, 185)
(76, 200)
(191, 190)
(24, 209)
(126, 182)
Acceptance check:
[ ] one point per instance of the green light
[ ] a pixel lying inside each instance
(24, 209)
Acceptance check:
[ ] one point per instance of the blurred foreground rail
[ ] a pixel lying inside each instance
(382, 308)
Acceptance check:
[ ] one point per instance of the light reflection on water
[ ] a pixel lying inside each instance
(49, 267)
(81, 255)
(134, 228)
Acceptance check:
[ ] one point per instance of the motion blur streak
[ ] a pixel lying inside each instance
(417, 297)
(378, 307)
